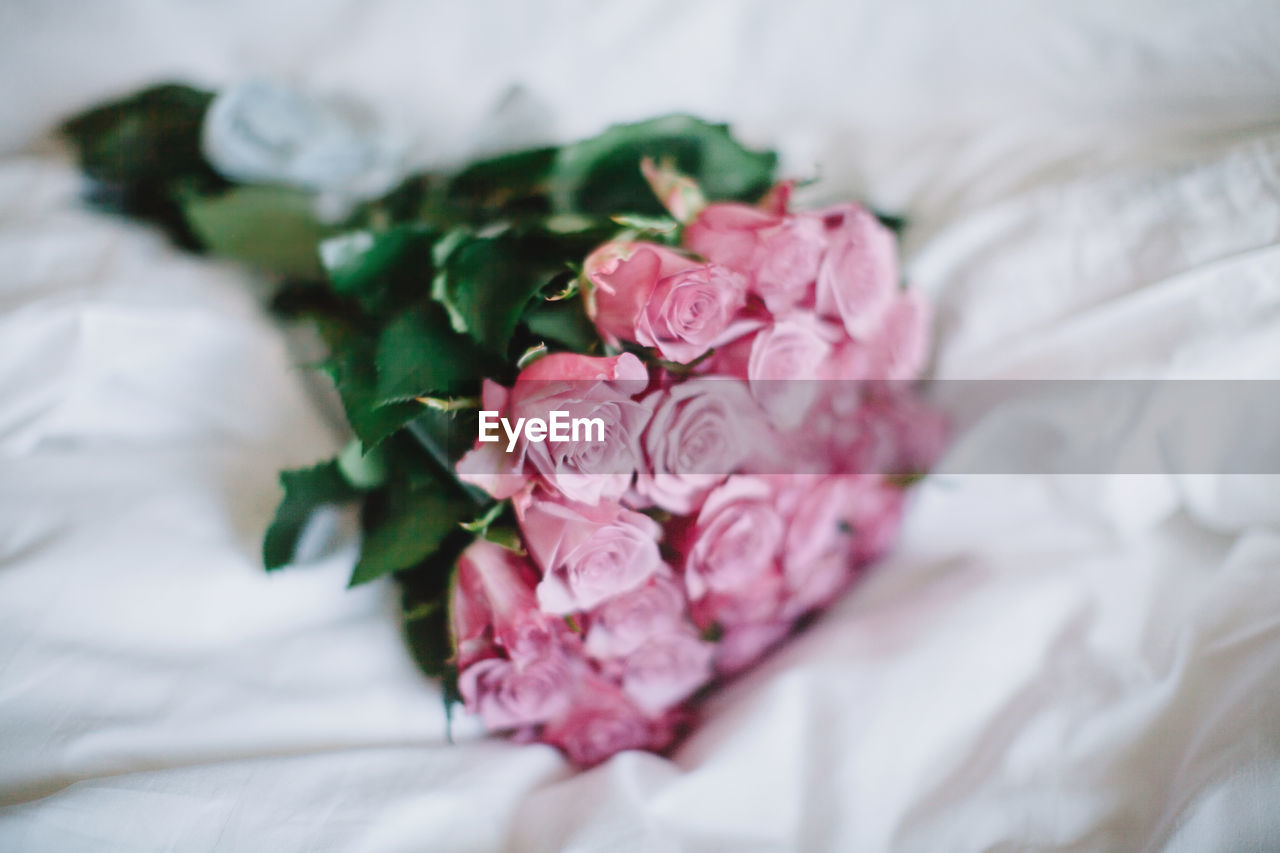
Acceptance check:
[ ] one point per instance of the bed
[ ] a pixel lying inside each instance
(1045, 662)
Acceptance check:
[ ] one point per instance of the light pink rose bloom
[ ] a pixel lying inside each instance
(859, 273)
(584, 387)
(780, 254)
(602, 721)
(732, 568)
(507, 694)
(787, 361)
(656, 297)
(666, 669)
(494, 608)
(622, 624)
(587, 553)
(835, 524)
(701, 431)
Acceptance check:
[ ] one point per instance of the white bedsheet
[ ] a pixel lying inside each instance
(1085, 663)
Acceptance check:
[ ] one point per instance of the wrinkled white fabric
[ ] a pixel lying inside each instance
(1085, 663)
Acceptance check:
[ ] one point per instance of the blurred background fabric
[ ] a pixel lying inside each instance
(1083, 663)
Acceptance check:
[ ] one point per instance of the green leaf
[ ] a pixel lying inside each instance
(896, 223)
(355, 377)
(305, 490)
(420, 354)
(505, 536)
(503, 186)
(384, 271)
(426, 630)
(135, 150)
(363, 470)
(152, 136)
(412, 527)
(425, 592)
(602, 175)
(566, 323)
(446, 436)
(272, 228)
(481, 524)
(488, 281)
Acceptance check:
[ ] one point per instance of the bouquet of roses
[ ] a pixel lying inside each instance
(623, 419)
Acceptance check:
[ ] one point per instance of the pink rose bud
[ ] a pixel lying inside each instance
(656, 297)
(779, 254)
(778, 199)
(602, 721)
(587, 553)
(492, 581)
(507, 694)
(679, 194)
(488, 466)
(859, 273)
(701, 431)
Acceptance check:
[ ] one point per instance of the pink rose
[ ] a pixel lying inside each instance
(582, 387)
(658, 298)
(507, 694)
(587, 553)
(622, 624)
(666, 669)
(732, 569)
(835, 524)
(780, 254)
(701, 431)
(859, 273)
(787, 360)
(494, 608)
(602, 721)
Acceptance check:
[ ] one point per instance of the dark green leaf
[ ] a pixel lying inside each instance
(509, 185)
(487, 283)
(384, 271)
(354, 375)
(419, 354)
(894, 222)
(446, 436)
(305, 490)
(363, 468)
(411, 528)
(272, 228)
(424, 603)
(426, 629)
(565, 323)
(602, 175)
(152, 136)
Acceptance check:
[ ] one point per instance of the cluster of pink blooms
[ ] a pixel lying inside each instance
(739, 487)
